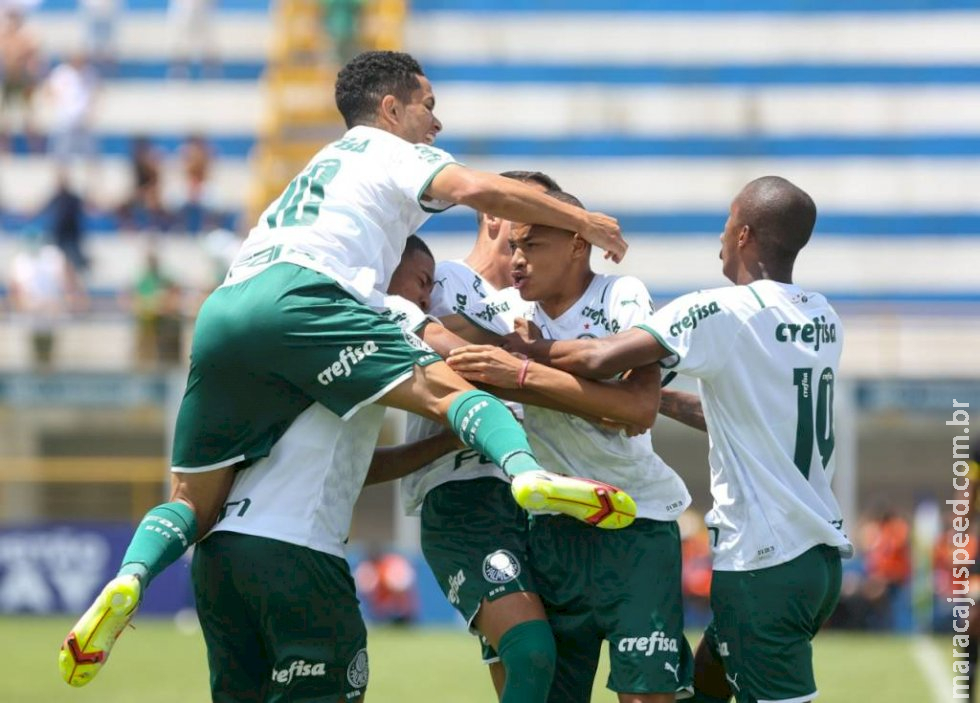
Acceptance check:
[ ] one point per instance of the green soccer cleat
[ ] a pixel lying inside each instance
(594, 502)
(87, 646)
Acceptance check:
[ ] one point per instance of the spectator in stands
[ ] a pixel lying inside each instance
(66, 216)
(192, 38)
(157, 304)
(71, 88)
(388, 583)
(20, 73)
(342, 23)
(100, 32)
(888, 560)
(696, 569)
(144, 208)
(44, 291)
(195, 157)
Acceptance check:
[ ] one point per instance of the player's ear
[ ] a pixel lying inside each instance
(390, 108)
(493, 224)
(745, 235)
(580, 247)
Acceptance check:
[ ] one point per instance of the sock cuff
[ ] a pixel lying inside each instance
(176, 518)
(463, 403)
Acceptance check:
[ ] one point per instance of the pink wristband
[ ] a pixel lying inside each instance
(522, 374)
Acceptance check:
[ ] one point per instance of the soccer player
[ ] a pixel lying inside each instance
(286, 520)
(474, 538)
(622, 586)
(486, 269)
(765, 352)
(296, 323)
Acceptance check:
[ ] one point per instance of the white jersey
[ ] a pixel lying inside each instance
(348, 213)
(457, 286)
(568, 444)
(766, 358)
(304, 491)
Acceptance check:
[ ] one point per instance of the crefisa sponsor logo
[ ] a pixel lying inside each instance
(345, 363)
(656, 642)
(695, 313)
(299, 667)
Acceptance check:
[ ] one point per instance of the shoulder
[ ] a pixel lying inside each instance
(455, 268)
(734, 301)
(619, 287)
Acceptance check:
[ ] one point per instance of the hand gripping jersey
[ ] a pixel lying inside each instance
(304, 491)
(456, 286)
(568, 444)
(348, 213)
(766, 358)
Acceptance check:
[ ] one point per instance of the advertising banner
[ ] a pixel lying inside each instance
(60, 567)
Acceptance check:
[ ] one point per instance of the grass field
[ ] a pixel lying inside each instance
(157, 663)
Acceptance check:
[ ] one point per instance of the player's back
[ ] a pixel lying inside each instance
(768, 403)
(349, 212)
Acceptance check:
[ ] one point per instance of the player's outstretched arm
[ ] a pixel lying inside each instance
(683, 407)
(518, 202)
(461, 326)
(389, 463)
(633, 401)
(594, 358)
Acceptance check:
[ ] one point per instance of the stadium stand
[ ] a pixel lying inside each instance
(871, 106)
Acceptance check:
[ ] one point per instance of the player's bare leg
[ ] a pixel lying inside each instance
(484, 423)
(498, 675)
(710, 683)
(516, 626)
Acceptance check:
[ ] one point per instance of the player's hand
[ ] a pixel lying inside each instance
(520, 340)
(603, 231)
(486, 364)
(615, 426)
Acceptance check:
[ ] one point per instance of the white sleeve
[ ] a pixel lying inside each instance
(497, 312)
(629, 304)
(412, 168)
(405, 314)
(697, 329)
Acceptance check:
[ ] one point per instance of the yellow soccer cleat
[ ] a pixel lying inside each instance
(594, 502)
(87, 646)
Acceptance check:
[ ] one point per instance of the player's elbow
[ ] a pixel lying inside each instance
(462, 186)
(593, 363)
(644, 410)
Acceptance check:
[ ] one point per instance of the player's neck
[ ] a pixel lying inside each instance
(762, 271)
(554, 306)
(489, 262)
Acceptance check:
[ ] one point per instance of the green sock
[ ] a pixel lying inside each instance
(485, 424)
(161, 538)
(527, 652)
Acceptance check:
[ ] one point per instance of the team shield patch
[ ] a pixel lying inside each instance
(357, 670)
(501, 567)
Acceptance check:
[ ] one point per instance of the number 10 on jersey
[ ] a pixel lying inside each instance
(810, 424)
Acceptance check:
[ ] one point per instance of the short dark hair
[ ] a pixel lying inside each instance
(415, 243)
(542, 179)
(370, 76)
(565, 197)
(781, 214)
